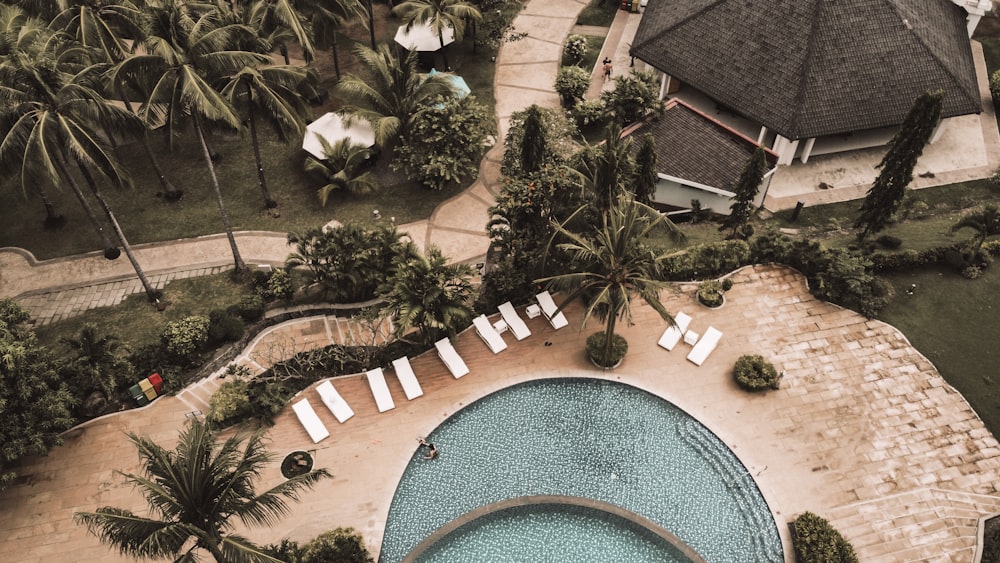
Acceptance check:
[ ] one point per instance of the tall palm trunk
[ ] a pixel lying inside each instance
(371, 22)
(239, 265)
(64, 172)
(269, 202)
(336, 56)
(53, 220)
(170, 193)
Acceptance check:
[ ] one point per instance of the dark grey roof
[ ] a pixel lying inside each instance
(692, 146)
(806, 68)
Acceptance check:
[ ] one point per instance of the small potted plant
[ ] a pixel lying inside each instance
(601, 355)
(753, 373)
(711, 293)
(295, 464)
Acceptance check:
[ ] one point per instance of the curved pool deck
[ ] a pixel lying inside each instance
(863, 430)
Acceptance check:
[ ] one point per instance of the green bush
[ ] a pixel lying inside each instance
(572, 83)
(995, 85)
(596, 349)
(279, 286)
(816, 541)
(590, 113)
(224, 327)
(727, 284)
(250, 308)
(229, 404)
(709, 259)
(710, 293)
(575, 48)
(342, 545)
(634, 96)
(268, 398)
(754, 373)
(186, 337)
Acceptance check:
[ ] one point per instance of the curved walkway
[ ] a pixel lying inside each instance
(863, 431)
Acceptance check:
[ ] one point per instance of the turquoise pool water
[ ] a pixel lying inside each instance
(585, 438)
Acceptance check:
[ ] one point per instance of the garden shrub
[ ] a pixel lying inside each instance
(710, 293)
(342, 545)
(559, 139)
(995, 85)
(596, 349)
(727, 284)
(575, 48)
(224, 327)
(889, 242)
(250, 308)
(268, 398)
(590, 113)
(186, 337)
(279, 286)
(816, 541)
(229, 404)
(709, 259)
(753, 373)
(634, 96)
(572, 83)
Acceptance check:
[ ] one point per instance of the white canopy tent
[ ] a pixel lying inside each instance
(421, 37)
(332, 127)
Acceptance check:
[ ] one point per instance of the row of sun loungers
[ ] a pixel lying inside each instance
(404, 372)
(703, 345)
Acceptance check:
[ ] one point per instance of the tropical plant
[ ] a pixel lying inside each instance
(445, 142)
(277, 22)
(428, 295)
(985, 222)
(272, 92)
(559, 143)
(35, 400)
(746, 191)
(646, 173)
(343, 545)
(347, 167)
(195, 493)
(575, 48)
(533, 144)
(99, 356)
(897, 165)
(111, 27)
(817, 541)
(608, 168)
(186, 52)
(633, 96)
(438, 15)
(571, 84)
(710, 293)
(392, 94)
(328, 15)
(614, 263)
(753, 373)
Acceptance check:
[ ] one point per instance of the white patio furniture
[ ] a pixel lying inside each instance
(514, 321)
(376, 380)
(310, 421)
(551, 312)
(705, 346)
(454, 362)
(406, 377)
(334, 402)
(489, 335)
(690, 338)
(673, 334)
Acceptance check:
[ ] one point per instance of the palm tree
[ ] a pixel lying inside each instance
(346, 167)
(392, 95)
(985, 222)
(609, 168)
(56, 116)
(97, 355)
(327, 15)
(438, 15)
(111, 27)
(613, 264)
(278, 22)
(272, 92)
(429, 295)
(186, 51)
(195, 493)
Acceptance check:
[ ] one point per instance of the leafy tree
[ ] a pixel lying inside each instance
(342, 545)
(346, 167)
(897, 165)
(348, 262)
(613, 263)
(438, 15)
(445, 142)
(746, 191)
(195, 493)
(98, 356)
(533, 144)
(34, 401)
(559, 144)
(985, 222)
(646, 174)
(392, 95)
(572, 83)
(428, 295)
(273, 93)
(633, 96)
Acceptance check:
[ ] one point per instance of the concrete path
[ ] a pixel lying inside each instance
(863, 430)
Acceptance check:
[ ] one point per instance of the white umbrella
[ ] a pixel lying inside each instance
(333, 128)
(421, 37)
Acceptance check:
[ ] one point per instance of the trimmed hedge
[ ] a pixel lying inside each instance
(816, 541)
(754, 373)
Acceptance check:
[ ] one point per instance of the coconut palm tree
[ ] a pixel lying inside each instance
(278, 22)
(985, 222)
(428, 294)
(56, 117)
(608, 168)
(438, 15)
(196, 493)
(328, 15)
(614, 263)
(346, 167)
(186, 52)
(111, 27)
(273, 93)
(391, 96)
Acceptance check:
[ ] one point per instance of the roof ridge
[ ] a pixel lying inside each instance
(793, 121)
(678, 23)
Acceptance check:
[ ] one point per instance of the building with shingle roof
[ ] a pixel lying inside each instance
(815, 73)
(683, 136)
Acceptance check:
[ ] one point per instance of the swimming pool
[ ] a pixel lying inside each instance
(592, 439)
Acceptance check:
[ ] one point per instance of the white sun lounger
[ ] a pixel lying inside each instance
(456, 365)
(489, 334)
(406, 377)
(333, 401)
(705, 346)
(310, 421)
(376, 380)
(514, 322)
(551, 312)
(673, 334)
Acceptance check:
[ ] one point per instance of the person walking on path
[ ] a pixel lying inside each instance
(607, 68)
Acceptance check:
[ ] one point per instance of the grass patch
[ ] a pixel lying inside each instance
(598, 13)
(953, 321)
